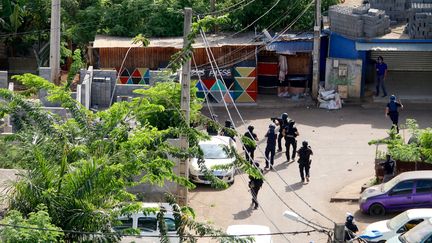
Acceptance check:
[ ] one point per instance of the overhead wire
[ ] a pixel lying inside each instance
(225, 10)
(211, 57)
(223, 81)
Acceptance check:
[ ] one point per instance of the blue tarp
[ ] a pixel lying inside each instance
(290, 47)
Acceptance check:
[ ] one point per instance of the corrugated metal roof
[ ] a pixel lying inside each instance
(103, 41)
(291, 47)
(385, 46)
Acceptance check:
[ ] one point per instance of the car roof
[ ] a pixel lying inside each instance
(419, 213)
(217, 140)
(169, 210)
(419, 174)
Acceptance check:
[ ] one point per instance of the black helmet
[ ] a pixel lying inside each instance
(228, 123)
(349, 217)
(251, 128)
(272, 126)
(284, 116)
(305, 143)
(292, 122)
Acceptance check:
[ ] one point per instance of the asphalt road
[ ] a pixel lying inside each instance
(339, 140)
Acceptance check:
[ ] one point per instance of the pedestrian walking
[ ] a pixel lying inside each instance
(271, 146)
(381, 74)
(291, 133)
(281, 122)
(255, 185)
(392, 110)
(250, 150)
(388, 166)
(304, 160)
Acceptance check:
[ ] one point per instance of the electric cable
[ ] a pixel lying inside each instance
(229, 114)
(225, 10)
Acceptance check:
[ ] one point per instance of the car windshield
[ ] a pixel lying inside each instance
(397, 221)
(390, 184)
(418, 233)
(213, 151)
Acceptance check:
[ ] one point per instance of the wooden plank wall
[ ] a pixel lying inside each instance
(153, 57)
(299, 64)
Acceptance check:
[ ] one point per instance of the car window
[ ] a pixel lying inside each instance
(404, 187)
(170, 223)
(428, 240)
(424, 186)
(147, 223)
(409, 225)
(214, 151)
(124, 224)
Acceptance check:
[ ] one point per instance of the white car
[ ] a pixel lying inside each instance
(215, 153)
(422, 233)
(147, 224)
(397, 225)
(249, 229)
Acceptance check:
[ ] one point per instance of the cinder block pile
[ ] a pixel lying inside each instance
(420, 21)
(358, 22)
(395, 9)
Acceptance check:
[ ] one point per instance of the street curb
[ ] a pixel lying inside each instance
(335, 199)
(351, 192)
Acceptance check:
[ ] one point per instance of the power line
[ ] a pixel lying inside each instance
(229, 114)
(227, 8)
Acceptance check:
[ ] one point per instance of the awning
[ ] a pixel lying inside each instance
(393, 46)
(290, 47)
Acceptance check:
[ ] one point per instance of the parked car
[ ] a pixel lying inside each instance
(215, 153)
(249, 229)
(147, 223)
(397, 225)
(422, 233)
(408, 190)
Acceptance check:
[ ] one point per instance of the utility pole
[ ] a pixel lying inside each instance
(339, 233)
(212, 6)
(185, 108)
(55, 40)
(316, 49)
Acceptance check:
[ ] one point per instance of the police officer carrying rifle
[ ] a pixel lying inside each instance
(281, 122)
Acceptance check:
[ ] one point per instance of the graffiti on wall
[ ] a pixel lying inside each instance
(239, 84)
(133, 76)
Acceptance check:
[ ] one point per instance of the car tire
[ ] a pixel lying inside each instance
(377, 209)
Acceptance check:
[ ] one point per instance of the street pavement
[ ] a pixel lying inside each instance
(339, 140)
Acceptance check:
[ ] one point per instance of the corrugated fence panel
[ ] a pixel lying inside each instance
(154, 57)
(405, 60)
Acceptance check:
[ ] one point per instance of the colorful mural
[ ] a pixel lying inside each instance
(133, 76)
(240, 85)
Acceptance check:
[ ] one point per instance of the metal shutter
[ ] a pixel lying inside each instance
(405, 60)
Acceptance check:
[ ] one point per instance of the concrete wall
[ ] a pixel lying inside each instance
(3, 79)
(354, 74)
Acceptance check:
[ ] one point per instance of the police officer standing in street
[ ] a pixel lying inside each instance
(250, 151)
(281, 122)
(271, 146)
(291, 133)
(255, 185)
(304, 160)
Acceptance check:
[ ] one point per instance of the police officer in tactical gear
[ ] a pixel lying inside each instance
(255, 185)
(271, 146)
(304, 160)
(250, 151)
(291, 133)
(281, 122)
(226, 132)
(350, 228)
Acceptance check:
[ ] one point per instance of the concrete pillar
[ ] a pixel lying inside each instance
(3, 79)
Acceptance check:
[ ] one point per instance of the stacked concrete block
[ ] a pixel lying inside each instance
(395, 9)
(359, 22)
(345, 22)
(420, 21)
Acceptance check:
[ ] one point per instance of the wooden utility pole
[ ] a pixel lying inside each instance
(316, 49)
(185, 107)
(212, 6)
(55, 40)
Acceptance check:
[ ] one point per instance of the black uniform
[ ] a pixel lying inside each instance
(350, 229)
(282, 125)
(290, 140)
(271, 147)
(394, 113)
(388, 166)
(250, 151)
(255, 185)
(304, 161)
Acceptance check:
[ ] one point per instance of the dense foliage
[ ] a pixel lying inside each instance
(417, 149)
(80, 167)
(25, 23)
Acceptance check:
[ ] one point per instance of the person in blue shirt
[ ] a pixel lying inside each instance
(392, 110)
(381, 73)
(271, 146)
